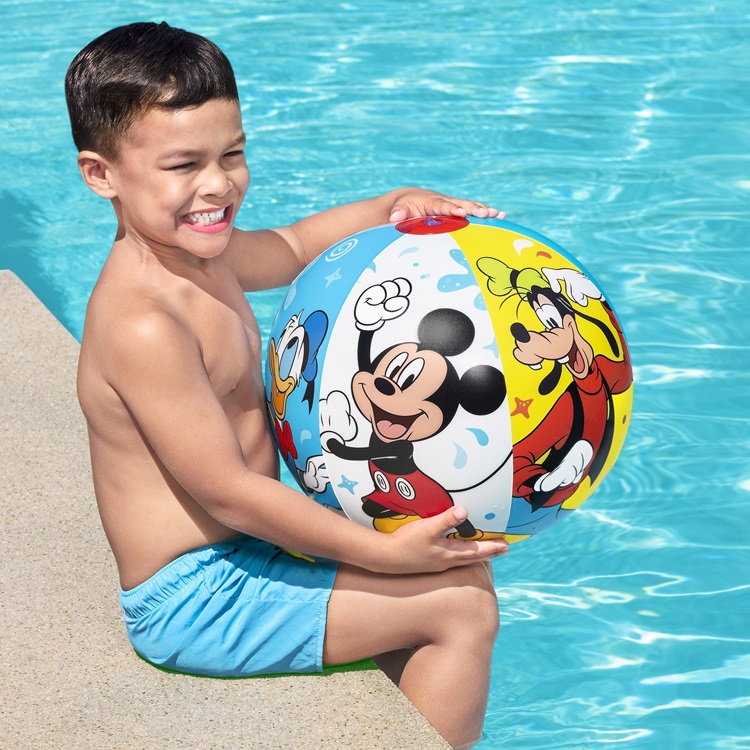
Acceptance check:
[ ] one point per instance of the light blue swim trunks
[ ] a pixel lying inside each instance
(233, 609)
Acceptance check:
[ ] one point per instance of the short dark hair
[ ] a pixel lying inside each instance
(131, 69)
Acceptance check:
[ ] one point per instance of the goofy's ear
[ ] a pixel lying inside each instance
(95, 170)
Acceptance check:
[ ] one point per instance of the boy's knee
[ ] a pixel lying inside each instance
(470, 597)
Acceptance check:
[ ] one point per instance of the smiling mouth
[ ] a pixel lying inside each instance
(575, 361)
(391, 426)
(206, 218)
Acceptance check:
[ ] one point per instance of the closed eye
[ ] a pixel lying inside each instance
(179, 167)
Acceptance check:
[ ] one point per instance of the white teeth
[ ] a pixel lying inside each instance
(564, 359)
(206, 217)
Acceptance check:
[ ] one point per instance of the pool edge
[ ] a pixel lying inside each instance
(73, 679)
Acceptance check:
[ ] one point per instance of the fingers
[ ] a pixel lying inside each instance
(467, 551)
(425, 203)
(426, 546)
(471, 550)
(462, 552)
(470, 208)
(453, 517)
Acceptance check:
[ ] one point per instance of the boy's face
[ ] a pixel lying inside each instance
(180, 176)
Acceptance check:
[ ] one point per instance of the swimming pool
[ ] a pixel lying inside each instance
(618, 129)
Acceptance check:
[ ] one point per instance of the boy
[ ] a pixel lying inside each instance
(185, 469)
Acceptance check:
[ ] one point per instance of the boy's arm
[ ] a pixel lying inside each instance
(156, 368)
(273, 258)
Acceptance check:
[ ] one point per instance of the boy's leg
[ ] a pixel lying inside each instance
(444, 626)
(392, 663)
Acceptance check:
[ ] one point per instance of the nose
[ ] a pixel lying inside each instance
(216, 182)
(519, 333)
(385, 386)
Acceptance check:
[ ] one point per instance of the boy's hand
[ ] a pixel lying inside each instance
(411, 203)
(422, 547)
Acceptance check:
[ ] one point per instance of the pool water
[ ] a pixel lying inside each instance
(618, 129)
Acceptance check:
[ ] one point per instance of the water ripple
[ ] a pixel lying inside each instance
(617, 129)
(736, 668)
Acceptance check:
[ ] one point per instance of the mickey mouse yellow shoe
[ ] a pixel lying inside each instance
(389, 525)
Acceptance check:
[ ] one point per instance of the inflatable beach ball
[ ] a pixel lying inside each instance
(444, 361)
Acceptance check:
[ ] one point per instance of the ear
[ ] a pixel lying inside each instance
(446, 331)
(96, 170)
(482, 389)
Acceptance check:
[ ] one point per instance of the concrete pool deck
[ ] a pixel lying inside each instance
(69, 677)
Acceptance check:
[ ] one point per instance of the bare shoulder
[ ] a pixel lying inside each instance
(129, 336)
(123, 322)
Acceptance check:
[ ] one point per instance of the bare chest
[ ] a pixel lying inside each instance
(230, 344)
